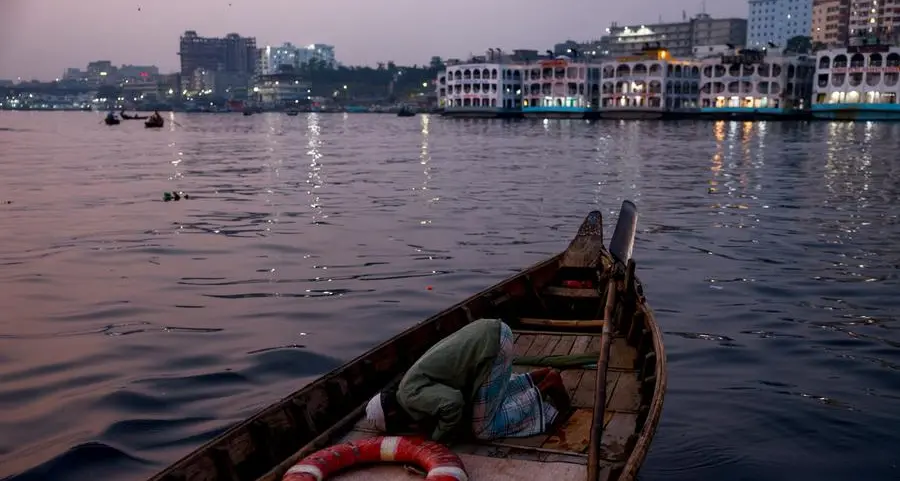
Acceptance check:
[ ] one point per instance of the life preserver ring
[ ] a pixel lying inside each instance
(440, 463)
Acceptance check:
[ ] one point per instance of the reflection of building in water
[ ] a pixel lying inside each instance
(649, 84)
(859, 82)
(756, 83)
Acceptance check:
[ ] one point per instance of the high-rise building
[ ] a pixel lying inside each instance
(271, 58)
(874, 17)
(233, 54)
(830, 22)
(679, 38)
(777, 21)
(835, 22)
(320, 52)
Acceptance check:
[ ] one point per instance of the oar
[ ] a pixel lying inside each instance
(620, 247)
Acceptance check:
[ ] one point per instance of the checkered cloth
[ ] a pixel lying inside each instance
(507, 404)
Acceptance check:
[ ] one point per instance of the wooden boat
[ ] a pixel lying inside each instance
(293, 113)
(606, 435)
(111, 121)
(405, 112)
(134, 117)
(154, 123)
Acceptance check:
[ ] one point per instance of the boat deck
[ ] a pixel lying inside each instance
(560, 455)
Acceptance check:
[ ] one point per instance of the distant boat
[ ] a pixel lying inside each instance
(133, 117)
(112, 121)
(154, 123)
(406, 112)
(293, 113)
(248, 113)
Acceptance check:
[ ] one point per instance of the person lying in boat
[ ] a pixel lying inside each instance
(465, 383)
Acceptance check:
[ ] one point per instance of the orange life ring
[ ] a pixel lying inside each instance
(441, 463)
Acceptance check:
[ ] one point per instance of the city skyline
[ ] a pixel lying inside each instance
(41, 38)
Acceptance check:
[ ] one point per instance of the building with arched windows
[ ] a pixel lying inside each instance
(650, 84)
(560, 87)
(858, 82)
(480, 89)
(756, 84)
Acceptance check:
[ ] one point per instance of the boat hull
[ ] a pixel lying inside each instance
(546, 314)
(863, 112)
(484, 113)
(748, 113)
(556, 112)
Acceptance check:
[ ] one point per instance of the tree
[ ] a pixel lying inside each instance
(816, 46)
(799, 44)
(437, 63)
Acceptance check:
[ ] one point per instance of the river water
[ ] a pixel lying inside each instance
(132, 329)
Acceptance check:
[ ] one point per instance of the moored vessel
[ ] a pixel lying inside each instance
(859, 82)
(757, 84)
(584, 310)
(649, 85)
(560, 88)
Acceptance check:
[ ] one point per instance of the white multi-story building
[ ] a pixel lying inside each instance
(756, 83)
(859, 82)
(650, 84)
(560, 87)
(485, 89)
(777, 21)
(270, 58)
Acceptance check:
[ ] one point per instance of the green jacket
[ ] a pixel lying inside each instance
(441, 386)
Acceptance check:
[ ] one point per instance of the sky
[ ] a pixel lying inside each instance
(41, 38)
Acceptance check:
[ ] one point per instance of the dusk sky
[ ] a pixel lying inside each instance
(40, 38)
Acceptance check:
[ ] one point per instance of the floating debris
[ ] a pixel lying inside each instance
(174, 196)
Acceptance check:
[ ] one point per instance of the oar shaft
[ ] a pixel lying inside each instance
(600, 388)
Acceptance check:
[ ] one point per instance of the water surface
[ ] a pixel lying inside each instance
(133, 329)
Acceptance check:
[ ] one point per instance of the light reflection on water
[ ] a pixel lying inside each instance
(134, 329)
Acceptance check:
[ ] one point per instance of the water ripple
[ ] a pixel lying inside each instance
(136, 329)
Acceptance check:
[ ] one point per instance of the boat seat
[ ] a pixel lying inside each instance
(572, 292)
(561, 323)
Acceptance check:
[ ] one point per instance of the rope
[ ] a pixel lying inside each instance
(560, 361)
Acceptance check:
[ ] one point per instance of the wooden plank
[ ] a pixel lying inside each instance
(574, 435)
(617, 436)
(540, 341)
(550, 346)
(581, 345)
(564, 346)
(561, 323)
(621, 355)
(523, 343)
(587, 388)
(558, 333)
(625, 394)
(572, 292)
(571, 378)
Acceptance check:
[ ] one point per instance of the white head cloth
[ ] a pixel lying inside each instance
(375, 413)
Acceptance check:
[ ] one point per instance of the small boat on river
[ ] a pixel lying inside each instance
(111, 121)
(582, 311)
(154, 123)
(406, 112)
(133, 117)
